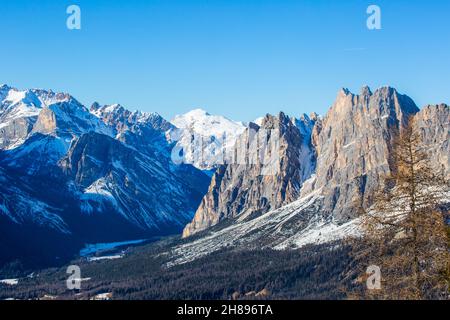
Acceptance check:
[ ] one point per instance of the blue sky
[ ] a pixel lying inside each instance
(241, 59)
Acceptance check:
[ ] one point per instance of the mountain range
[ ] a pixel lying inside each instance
(72, 175)
(335, 166)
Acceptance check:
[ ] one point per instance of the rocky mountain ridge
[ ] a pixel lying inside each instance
(351, 148)
(245, 189)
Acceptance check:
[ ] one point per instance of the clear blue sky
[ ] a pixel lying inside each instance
(237, 58)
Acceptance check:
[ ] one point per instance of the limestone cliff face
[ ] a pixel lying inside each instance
(433, 122)
(353, 144)
(46, 122)
(244, 189)
(15, 131)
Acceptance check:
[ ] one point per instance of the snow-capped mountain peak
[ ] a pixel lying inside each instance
(19, 110)
(198, 112)
(99, 110)
(11, 97)
(203, 137)
(201, 122)
(122, 119)
(27, 103)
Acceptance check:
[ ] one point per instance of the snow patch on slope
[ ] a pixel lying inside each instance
(10, 282)
(292, 226)
(321, 233)
(307, 154)
(33, 210)
(97, 193)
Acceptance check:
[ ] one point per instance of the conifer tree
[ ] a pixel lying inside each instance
(405, 232)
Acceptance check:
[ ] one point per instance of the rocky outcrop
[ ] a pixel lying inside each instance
(433, 123)
(15, 131)
(353, 144)
(245, 189)
(46, 123)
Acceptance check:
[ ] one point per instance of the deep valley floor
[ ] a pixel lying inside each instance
(314, 272)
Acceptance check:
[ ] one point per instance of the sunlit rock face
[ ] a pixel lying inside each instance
(354, 143)
(433, 122)
(246, 190)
